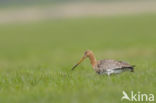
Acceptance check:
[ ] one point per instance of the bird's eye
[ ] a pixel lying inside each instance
(85, 53)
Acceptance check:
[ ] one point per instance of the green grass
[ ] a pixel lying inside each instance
(36, 59)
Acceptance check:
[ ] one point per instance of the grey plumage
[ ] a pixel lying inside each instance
(109, 66)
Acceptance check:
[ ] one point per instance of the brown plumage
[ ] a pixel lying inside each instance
(107, 66)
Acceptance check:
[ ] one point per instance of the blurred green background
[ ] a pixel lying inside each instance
(8, 3)
(36, 58)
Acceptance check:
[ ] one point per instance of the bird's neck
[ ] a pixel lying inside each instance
(92, 60)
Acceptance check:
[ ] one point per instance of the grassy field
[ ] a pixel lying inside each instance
(36, 59)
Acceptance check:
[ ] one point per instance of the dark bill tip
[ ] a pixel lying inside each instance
(75, 66)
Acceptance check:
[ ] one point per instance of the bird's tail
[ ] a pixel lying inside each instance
(132, 68)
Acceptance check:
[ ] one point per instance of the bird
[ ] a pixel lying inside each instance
(106, 66)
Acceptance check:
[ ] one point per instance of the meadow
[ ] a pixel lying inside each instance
(36, 59)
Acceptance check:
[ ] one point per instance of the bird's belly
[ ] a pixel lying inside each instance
(108, 72)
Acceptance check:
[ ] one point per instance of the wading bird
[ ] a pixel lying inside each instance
(107, 66)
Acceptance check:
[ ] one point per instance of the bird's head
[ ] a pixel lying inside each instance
(86, 54)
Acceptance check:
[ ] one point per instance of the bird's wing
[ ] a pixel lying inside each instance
(113, 64)
(123, 64)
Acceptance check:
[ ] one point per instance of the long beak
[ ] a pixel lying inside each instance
(78, 63)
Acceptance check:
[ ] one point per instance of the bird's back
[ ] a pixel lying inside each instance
(112, 66)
